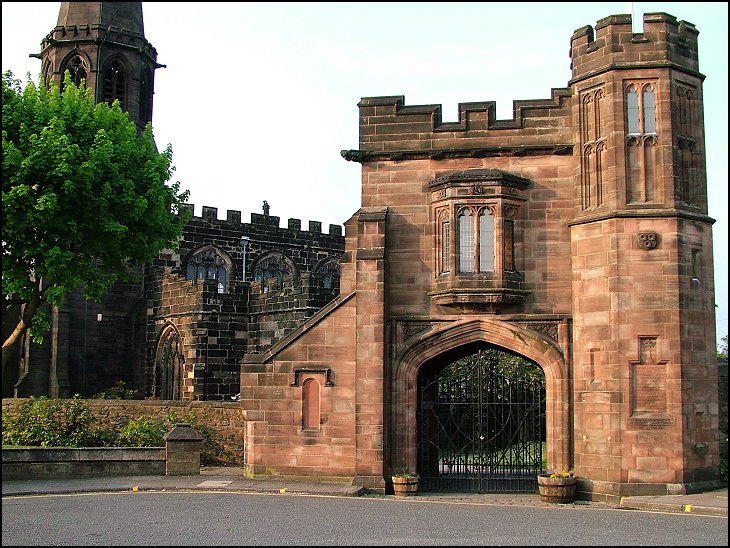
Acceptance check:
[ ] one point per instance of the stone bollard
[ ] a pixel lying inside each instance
(182, 451)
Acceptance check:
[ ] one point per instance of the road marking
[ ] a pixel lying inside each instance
(213, 483)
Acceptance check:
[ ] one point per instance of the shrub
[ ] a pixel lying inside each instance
(142, 432)
(118, 392)
(43, 422)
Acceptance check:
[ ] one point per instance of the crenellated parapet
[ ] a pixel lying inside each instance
(664, 42)
(392, 130)
(233, 221)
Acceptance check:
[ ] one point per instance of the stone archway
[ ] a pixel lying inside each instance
(401, 435)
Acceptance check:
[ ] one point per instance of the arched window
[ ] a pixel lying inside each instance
(114, 85)
(209, 263)
(169, 365)
(632, 106)
(641, 143)
(274, 266)
(145, 98)
(329, 269)
(77, 69)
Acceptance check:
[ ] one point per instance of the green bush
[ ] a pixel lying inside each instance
(142, 432)
(118, 392)
(43, 422)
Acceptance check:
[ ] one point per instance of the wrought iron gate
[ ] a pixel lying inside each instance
(481, 425)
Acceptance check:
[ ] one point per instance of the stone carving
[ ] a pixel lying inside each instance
(647, 240)
(411, 329)
(549, 329)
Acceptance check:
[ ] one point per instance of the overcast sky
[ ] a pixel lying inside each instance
(258, 99)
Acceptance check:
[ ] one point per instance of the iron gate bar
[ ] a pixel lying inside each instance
(481, 428)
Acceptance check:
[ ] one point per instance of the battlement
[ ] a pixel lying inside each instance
(393, 130)
(664, 42)
(258, 220)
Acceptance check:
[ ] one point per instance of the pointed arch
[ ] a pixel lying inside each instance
(329, 269)
(169, 365)
(209, 262)
(510, 337)
(78, 64)
(271, 268)
(114, 82)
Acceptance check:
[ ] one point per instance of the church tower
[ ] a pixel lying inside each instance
(103, 43)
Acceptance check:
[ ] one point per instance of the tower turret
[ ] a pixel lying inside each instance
(641, 245)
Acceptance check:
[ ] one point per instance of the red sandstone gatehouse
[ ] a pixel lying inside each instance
(574, 237)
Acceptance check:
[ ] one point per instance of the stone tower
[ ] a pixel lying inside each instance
(103, 43)
(641, 248)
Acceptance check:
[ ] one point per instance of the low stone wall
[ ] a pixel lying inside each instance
(59, 462)
(223, 419)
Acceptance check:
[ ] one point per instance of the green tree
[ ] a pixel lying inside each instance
(722, 349)
(85, 200)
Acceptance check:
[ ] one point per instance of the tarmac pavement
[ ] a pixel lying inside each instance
(709, 503)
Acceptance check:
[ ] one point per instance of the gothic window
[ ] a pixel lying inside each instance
(593, 144)
(169, 365)
(77, 69)
(685, 143)
(329, 269)
(209, 263)
(145, 98)
(641, 143)
(270, 269)
(48, 73)
(114, 83)
(482, 246)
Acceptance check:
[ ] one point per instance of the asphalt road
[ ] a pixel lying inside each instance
(157, 518)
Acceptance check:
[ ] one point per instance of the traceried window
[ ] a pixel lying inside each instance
(593, 145)
(209, 263)
(329, 270)
(641, 143)
(114, 83)
(271, 268)
(77, 70)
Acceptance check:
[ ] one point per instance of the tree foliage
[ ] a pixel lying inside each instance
(85, 198)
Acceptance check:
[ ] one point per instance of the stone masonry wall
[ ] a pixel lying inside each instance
(225, 420)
